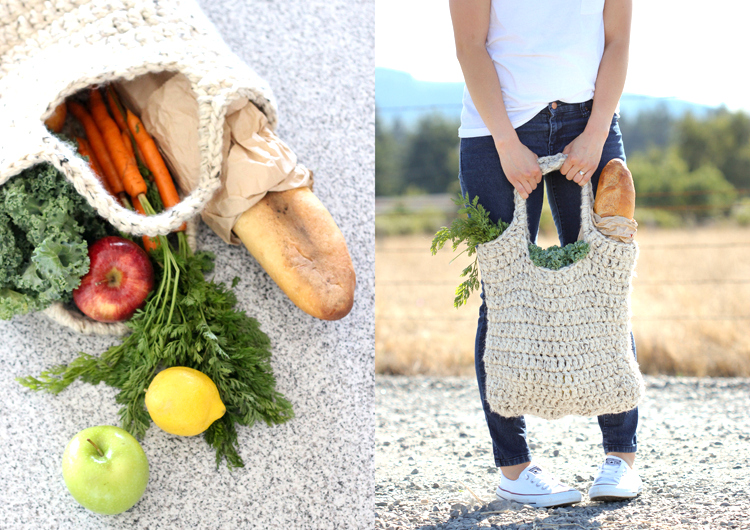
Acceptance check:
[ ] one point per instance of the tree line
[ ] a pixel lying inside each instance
(697, 166)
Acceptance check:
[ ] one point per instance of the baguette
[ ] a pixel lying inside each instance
(297, 242)
(615, 194)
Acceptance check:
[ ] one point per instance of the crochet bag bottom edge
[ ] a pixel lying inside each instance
(567, 401)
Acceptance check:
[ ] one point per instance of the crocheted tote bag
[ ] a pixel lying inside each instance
(50, 50)
(558, 342)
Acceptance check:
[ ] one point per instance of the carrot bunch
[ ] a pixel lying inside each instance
(116, 142)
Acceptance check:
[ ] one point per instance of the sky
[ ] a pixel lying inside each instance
(697, 51)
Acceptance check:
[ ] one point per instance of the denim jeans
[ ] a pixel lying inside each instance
(482, 175)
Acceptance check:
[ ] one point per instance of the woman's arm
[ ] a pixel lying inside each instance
(471, 21)
(585, 152)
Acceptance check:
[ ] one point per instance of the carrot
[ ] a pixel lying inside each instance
(85, 150)
(55, 122)
(139, 158)
(128, 171)
(118, 111)
(129, 146)
(98, 146)
(154, 162)
(148, 243)
(137, 155)
(116, 108)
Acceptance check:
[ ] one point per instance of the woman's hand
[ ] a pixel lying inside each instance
(584, 154)
(471, 22)
(520, 166)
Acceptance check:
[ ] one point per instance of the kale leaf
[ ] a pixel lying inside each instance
(556, 258)
(45, 228)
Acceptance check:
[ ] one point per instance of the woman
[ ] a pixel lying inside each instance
(543, 77)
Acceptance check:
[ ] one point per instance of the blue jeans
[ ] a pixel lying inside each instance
(482, 175)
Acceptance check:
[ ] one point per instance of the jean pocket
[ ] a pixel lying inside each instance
(592, 7)
(586, 109)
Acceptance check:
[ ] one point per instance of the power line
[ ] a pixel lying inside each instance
(442, 197)
(686, 193)
(693, 207)
(686, 246)
(652, 318)
(636, 282)
(669, 207)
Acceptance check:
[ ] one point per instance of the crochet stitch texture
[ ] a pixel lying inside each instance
(51, 49)
(558, 342)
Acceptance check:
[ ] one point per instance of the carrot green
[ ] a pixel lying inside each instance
(187, 321)
(473, 227)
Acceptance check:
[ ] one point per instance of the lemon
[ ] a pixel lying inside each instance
(183, 401)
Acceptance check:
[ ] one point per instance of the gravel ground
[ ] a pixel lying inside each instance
(434, 466)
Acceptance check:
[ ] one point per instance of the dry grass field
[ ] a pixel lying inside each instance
(691, 305)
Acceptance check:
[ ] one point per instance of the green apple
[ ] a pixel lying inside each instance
(105, 469)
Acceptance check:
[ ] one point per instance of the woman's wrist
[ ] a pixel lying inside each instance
(597, 131)
(506, 140)
(603, 110)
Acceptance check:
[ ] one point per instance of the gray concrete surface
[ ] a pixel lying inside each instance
(316, 471)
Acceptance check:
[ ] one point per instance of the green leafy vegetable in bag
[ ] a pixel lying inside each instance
(556, 258)
(473, 227)
(45, 228)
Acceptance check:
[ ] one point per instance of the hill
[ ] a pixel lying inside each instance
(398, 94)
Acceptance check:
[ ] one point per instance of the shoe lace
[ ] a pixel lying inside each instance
(544, 480)
(611, 470)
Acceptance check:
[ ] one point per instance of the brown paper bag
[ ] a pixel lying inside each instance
(255, 160)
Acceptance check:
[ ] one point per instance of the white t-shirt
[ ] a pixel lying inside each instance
(543, 51)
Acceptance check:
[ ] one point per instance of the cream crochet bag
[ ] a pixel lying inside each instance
(558, 342)
(52, 49)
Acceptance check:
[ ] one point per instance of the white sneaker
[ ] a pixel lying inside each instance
(538, 488)
(615, 481)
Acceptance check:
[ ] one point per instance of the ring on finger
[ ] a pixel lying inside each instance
(581, 172)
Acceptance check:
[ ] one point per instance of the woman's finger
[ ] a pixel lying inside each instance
(575, 165)
(580, 171)
(575, 175)
(582, 176)
(586, 177)
(523, 187)
(567, 165)
(520, 189)
(536, 175)
(527, 186)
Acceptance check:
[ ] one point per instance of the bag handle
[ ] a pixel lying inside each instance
(548, 164)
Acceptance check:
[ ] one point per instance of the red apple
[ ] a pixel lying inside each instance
(119, 280)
